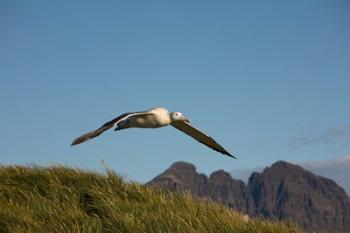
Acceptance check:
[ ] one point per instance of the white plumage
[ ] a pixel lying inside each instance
(154, 118)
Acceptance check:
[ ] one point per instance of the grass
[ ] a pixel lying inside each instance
(60, 199)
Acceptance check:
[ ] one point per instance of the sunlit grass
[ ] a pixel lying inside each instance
(59, 199)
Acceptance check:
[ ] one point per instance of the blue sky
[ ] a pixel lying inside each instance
(269, 80)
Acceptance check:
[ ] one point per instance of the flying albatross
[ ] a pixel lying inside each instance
(154, 118)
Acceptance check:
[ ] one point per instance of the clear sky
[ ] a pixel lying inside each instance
(269, 80)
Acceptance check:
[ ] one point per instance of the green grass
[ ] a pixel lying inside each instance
(59, 199)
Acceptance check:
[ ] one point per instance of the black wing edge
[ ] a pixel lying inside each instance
(97, 132)
(223, 151)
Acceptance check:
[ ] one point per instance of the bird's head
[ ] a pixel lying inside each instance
(178, 116)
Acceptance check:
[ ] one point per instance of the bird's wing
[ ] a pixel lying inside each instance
(106, 126)
(201, 137)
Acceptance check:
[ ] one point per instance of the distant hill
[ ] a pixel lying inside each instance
(336, 169)
(283, 191)
(59, 199)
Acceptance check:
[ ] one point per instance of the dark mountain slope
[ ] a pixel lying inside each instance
(283, 191)
(219, 186)
(287, 191)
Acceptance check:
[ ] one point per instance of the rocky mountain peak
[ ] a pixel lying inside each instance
(282, 191)
(287, 191)
(182, 166)
(220, 176)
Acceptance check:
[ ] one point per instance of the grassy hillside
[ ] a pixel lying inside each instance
(59, 199)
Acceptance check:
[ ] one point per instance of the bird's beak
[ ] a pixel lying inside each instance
(185, 119)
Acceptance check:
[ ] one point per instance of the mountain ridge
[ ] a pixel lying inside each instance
(282, 191)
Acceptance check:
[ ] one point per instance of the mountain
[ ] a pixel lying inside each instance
(219, 186)
(287, 191)
(283, 191)
(336, 169)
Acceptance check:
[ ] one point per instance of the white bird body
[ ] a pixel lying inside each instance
(154, 118)
(157, 117)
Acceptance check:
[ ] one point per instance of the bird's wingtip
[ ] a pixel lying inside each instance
(73, 143)
(232, 156)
